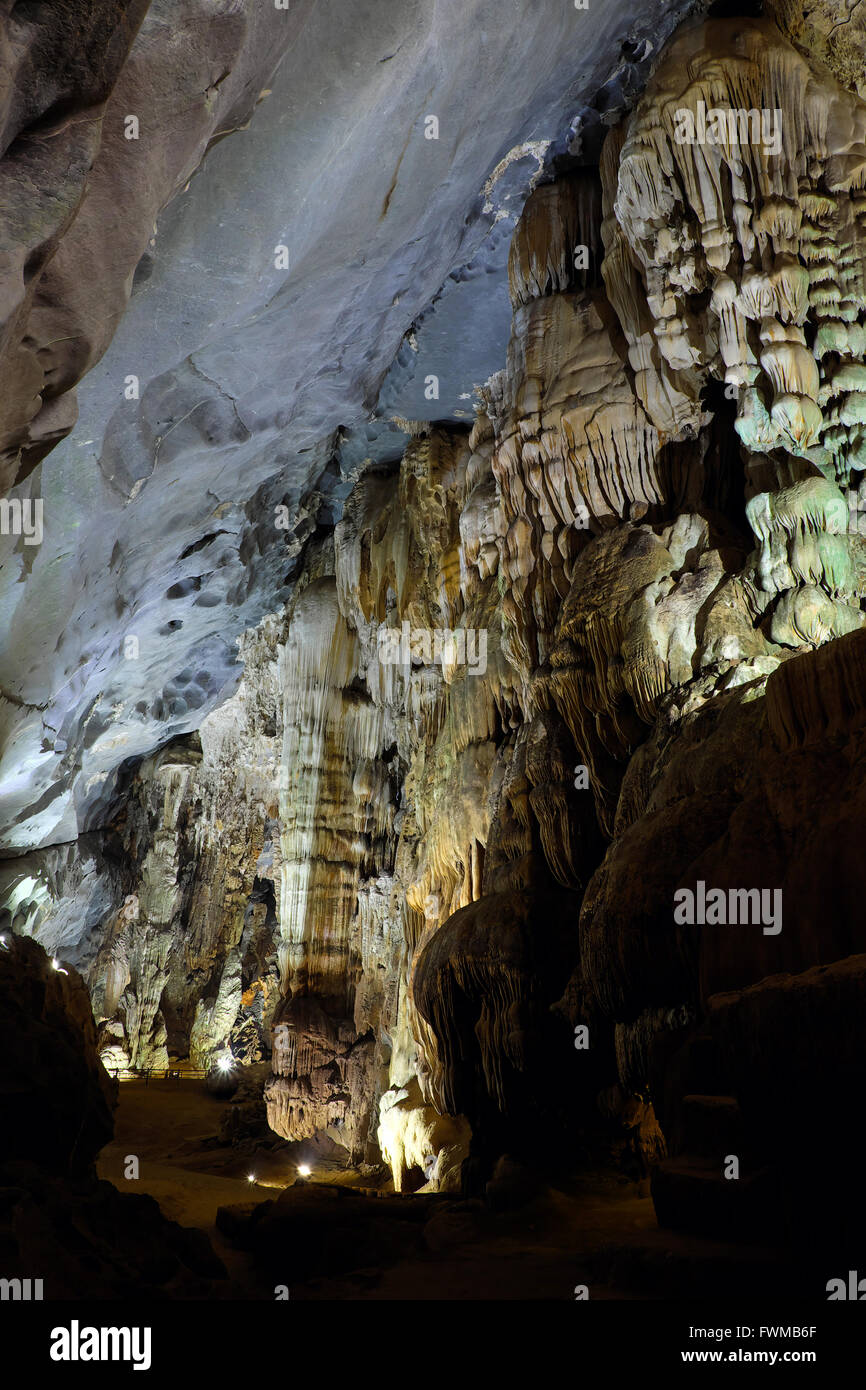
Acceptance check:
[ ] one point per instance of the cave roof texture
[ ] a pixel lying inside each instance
(155, 258)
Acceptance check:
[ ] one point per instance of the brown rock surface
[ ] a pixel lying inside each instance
(57, 1100)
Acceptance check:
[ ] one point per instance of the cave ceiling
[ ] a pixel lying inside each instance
(257, 386)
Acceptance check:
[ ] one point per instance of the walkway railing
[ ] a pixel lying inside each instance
(158, 1074)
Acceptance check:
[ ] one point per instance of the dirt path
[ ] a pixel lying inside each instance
(171, 1128)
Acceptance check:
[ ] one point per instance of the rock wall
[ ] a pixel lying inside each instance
(59, 1224)
(648, 519)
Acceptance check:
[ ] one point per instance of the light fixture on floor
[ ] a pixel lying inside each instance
(304, 1170)
(251, 1177)
(225, 1063)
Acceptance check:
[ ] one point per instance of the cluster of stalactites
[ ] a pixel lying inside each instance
(801, 533)
(397, 546)
(416, 562)
(575, 452)
(738, 187)
(498, 992)
(670, 397)
(725, 217)
(556, 245)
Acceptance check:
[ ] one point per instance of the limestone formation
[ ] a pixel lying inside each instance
(492, 770)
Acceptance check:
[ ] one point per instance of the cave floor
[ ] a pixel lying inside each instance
(173, 1128)
(595, 1230)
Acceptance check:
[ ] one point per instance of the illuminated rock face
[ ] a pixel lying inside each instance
(768, 224)
(186, 884)
(540, 676)
(637, 576)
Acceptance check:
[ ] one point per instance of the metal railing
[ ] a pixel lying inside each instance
(158, 1074)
